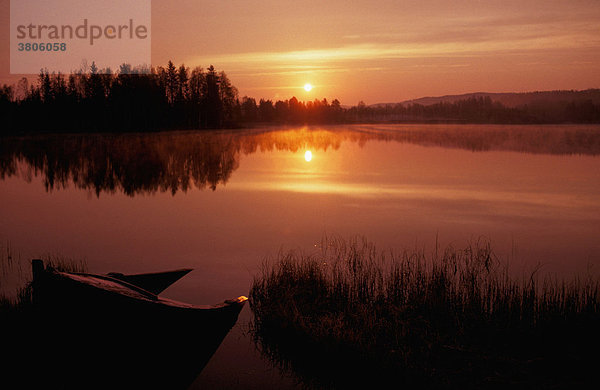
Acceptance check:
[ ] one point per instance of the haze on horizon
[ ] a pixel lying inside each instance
(378, 51)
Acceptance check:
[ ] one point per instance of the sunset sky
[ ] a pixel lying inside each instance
(378, 51)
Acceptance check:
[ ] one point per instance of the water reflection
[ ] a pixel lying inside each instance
(399, 185)
(171, 162)
(132, 164)
(308, 156)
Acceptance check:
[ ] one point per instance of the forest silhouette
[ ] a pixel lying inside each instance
(170, 97)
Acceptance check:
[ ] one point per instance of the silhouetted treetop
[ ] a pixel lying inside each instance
(175, 97)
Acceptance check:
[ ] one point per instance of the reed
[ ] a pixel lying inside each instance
(350, 314)
(16, 278)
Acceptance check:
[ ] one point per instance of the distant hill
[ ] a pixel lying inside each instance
(511, 99)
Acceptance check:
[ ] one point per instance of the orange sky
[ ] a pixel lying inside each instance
(377, 51)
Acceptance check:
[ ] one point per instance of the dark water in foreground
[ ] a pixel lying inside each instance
(221, 202)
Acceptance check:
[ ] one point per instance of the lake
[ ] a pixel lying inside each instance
(223, 202)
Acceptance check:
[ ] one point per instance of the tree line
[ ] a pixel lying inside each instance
(129, 99)
(482, 109)
(171, 97)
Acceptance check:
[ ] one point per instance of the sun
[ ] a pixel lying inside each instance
(308, 155)
(307, 87)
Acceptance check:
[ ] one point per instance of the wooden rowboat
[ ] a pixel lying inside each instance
(133, 330)
(115, 292)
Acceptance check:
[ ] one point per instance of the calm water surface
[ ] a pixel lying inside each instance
(222, 202)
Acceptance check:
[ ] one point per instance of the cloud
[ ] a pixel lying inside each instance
(296, 61)
(467, 34)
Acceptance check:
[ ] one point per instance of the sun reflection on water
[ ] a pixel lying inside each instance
(308, 155)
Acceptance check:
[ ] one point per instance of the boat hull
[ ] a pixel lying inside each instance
(109, 332)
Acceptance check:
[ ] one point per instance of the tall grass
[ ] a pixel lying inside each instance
(351, 314)
(16, 277)
(14, 280)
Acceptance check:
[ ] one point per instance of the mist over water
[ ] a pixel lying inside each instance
(222, 201)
